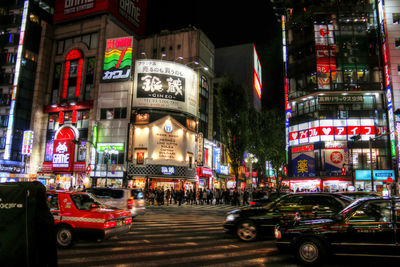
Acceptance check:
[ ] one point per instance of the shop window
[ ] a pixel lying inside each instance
(112, 113)
(53, 122)
(83, 119)
(82, 148)
(397, 43)
(68, 117)
(396, 18)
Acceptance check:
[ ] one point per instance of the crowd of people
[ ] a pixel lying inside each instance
(170, 196)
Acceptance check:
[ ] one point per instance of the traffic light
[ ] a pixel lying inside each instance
(343, 171)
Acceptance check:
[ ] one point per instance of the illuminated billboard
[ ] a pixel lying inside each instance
(165, 85)
(326, 55)
(130, 12)
(257, 74)
(117, 60)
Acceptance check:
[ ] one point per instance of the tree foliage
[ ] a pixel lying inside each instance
(233, 120)
(268, 140)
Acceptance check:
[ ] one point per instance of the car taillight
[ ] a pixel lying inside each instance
(110, 224)
(129, 204)
(252, 203)
(128, 221)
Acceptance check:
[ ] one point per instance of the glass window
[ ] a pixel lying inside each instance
(83, 120)
(396, 18)
(52, 202)
(93, 40)
(375, 211)
(397, 43)
(82, 151)
(397, 210)
(60, 47)
(84, 201)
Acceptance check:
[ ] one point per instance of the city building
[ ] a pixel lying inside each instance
(172, 105)
(339, 113)
(22, 24)
(249, 77)
(82, 99)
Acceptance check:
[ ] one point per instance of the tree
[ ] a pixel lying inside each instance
(232, 118)
(268, 141)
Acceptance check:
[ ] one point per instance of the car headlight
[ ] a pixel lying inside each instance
(231, 217)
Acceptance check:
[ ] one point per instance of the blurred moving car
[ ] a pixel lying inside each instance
(79, 215)
(123, 198)
(364, 228)
(359, 194)
(250, 223)
(264, 200)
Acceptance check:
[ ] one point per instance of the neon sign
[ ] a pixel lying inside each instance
(117, 60)
(257, 74)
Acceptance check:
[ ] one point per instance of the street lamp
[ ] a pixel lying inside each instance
(251, 158)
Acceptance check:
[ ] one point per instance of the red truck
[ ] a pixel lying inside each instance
(78, 215)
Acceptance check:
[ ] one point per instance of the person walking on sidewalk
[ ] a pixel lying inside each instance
(245, 198)
(168, 196)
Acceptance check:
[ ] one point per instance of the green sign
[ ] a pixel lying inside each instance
(340, 99)
(94, 139)
(110, 146)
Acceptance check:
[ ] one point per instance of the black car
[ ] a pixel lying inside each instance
(359, 194)
(265, 199)
(369, 226)
(250, 223)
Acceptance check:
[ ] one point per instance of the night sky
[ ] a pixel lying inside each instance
(229, 23)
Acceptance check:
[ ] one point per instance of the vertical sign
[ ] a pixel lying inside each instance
(117, 60)
(288, 108)
(9, 137)
(386, 68)
(63, 155)
(257, 73)
(27, 142)
(217, 159)
(200, 147)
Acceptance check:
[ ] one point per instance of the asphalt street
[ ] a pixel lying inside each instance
(187, 236)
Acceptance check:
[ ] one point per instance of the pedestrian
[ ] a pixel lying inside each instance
(216, 197)
(179, 196)
(204, 196)
(211, 197)
(168, 196)
(245, 198)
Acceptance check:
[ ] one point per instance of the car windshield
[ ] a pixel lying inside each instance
(106, 192)
(85, 201)
(343, 213)
(271, 204)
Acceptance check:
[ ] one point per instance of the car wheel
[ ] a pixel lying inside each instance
(310, 251)
(65, 237)
(247, 231)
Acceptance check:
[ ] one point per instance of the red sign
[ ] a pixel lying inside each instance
(130, 12)
(63, 155)
(326, 130)
(302, 148)
(47, 167)
(293, 136)
(340, 130)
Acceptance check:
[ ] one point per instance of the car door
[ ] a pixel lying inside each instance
(370, 229)
(52, 203)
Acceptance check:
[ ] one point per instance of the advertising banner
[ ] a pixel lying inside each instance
(63, 155)
(379, 175)
(325, 49)
(335, 157)
(130, 12)
(117, 60)
(303, 164)
(165, 85)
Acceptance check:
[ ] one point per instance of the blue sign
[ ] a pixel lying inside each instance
(303, 165)
(217, 159)
(379, 175)
(224, 170)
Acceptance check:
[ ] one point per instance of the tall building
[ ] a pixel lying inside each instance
(21, 28)
(340, 126)
(172, 105)
(241, 63)
(82, 101)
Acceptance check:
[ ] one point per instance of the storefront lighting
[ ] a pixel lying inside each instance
(180, 132)
(180, 158)
(155, 129)
(146, 130)
(155, 156)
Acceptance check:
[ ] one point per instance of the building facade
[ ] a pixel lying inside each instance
(81, 109)
(22, 24)
(172, 107)
(337, 100)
